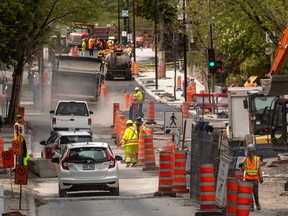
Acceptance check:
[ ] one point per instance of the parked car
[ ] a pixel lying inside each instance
(71, 115)
(88, 166)
(59, 139)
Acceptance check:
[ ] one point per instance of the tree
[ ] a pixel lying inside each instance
(26, 25)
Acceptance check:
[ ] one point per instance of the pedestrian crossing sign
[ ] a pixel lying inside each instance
(172, 121)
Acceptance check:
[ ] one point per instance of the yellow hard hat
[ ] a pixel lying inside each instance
(129, 122)
(136, 89)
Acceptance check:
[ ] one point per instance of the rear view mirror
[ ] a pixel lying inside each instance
(91, 112)
(42, 143)
(118, 158)
(245, 104)
(51, 111)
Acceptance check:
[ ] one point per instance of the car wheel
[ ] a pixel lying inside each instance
(62, 192)
(114, 191)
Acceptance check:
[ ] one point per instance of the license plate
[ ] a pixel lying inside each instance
(88, 166)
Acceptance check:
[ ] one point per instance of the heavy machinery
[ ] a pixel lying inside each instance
(118, 64)
(75, 78)
(259, 114)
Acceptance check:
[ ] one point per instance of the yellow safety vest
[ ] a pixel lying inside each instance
(139, 96)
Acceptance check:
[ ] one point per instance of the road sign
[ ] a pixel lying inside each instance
(16, 147)
(21, 175)
(172, 121)
(8, 159)
(223, 169)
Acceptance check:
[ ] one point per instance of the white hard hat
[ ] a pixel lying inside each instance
(251, 147)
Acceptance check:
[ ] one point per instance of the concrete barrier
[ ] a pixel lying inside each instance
(43, 168)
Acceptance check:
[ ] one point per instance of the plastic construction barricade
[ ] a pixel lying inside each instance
(16, 147)
(8, 159)
(21, 175)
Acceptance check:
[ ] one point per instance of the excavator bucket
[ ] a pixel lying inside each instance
(276, 85)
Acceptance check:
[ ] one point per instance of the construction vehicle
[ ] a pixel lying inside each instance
(118, 64)
(80, 31)
(75, 78)
(259, 115)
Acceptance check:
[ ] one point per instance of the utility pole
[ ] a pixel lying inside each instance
(155, 43)
(185, 50)
(134, 32)
(211, 44)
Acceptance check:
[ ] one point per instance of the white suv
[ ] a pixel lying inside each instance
(71, 115)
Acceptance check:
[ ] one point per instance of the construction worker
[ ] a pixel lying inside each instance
(249, 83)
(139, 125)
(130, 144)
(83, 46)
(91, 46)
(19, 136)
(139, 96)
(251, 166)
(18, 127)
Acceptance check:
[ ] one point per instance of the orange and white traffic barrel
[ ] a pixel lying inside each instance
(149, 153)
(141, 149)
(207, 188)
(179, 173)
(116, 107)
(185, 110)
(244, 198)
(232, 191)
(150, 112)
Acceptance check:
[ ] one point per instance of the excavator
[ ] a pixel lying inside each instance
(268, 108)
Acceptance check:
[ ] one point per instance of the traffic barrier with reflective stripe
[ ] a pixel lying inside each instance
(149, 153)
(141, 150)
(244, 198)
(165, 172)
(150, 112)
(116, 107)
(179, 84)
(207, 188)
(232, 191)
(179, 175)
(185, 110)
(206, 100)
(126, 101)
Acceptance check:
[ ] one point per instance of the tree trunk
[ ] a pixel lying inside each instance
(16, 92)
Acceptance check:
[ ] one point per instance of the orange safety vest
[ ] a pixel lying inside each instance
(18, 130)
(252, 168)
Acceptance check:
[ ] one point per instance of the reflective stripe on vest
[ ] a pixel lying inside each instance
(253, 169)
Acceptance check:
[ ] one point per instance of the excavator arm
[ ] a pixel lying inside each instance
(281, 53)
(277, 84)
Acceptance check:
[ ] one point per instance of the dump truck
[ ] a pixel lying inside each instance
(75, 78)
(118, 64)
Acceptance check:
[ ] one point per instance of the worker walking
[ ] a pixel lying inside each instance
(130, 144)
(139, 96)
(91, 46)
(251, 166)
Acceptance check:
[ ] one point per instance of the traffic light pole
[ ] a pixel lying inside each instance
(185, 51)
(119, 37)
(212, 47)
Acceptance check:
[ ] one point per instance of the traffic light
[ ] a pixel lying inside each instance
(128, 25)
(211, 60)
